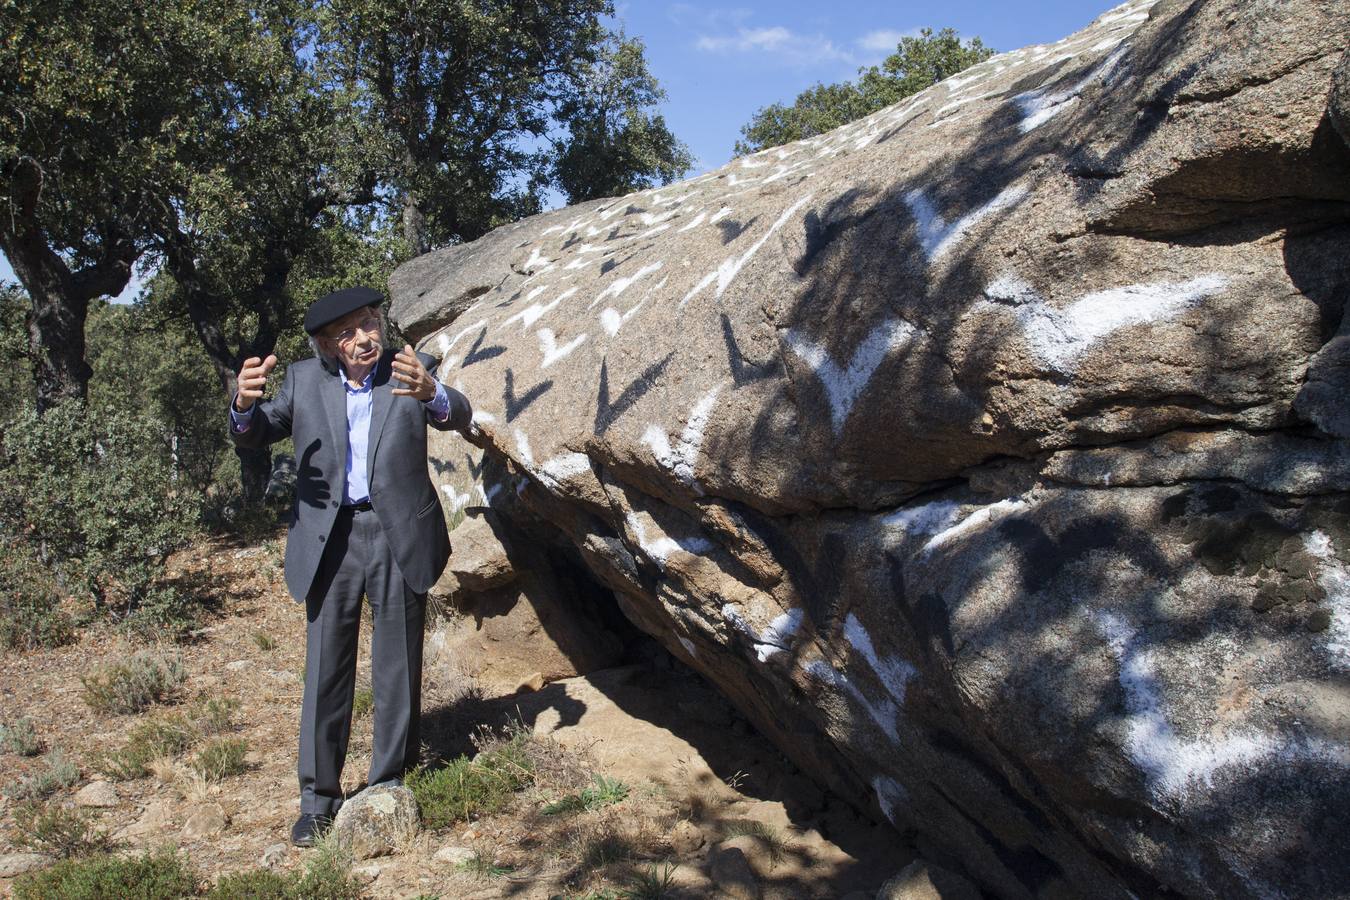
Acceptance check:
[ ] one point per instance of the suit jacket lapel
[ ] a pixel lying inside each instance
(334, 398)
(381, 400)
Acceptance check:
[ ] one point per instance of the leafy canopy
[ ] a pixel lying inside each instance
(917, 63)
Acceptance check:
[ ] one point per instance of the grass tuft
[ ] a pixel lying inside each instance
(483, 868)
(57, 772)
(63, 833)
(363, 701)
(134, 685)
(221, 759)
(327, 876)
(264, 641)
(770, 836)
(604, 792)
(163, 875)
(20, 737)
(147, 742)
(652, 883)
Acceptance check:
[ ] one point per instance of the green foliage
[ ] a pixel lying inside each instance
(605, 791)
(917, 63)
(92, 490)
(221, 759)
(482, 867)
(767, 834)
(651, 883)
(31, 616)
(615, 145)
(264, 641)
(59, 831)
(327, 876)
(363, 701)
(467, 787)
(132, 686)
(147, 742)
(214, 715)
(57, 772)
(163, 875)
(20, 737)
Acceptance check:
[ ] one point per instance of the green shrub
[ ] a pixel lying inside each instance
(363, 701)
(264, 641)
(58, 831)
(20, 737)
(31, 617)
(92, 489)
(163, 875)
(213, 716)
(604, 792)
(132, 686)
(221, 759)
(465, 787)
(147, 742)
(57, 772)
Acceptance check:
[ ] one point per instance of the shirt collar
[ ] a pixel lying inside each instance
(365, 384)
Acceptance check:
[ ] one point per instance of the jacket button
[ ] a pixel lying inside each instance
(322, 539)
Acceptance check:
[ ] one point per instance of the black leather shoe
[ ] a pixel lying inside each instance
(309, 828)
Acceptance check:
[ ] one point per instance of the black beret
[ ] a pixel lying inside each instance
(331, 307)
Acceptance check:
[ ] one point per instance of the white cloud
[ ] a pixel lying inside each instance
(884, 40)
(729, 31)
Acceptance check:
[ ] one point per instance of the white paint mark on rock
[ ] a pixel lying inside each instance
(1059, 337)
(682, 459)
(976, 521)
(659, 549)
(883, 711)
(891, 796)
(532, 313)
(732, 265)
(1335, 580)
(894, 672)
(564, 466)
(936, 236)
(1040, 106)
(688, 645)
(844, 384)
(622, 284)
(927, 518)
(1177, 767)
(548, 345)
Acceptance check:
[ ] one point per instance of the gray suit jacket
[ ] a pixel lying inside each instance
(311, 407)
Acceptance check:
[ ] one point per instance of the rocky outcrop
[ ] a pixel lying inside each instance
(988, 452)
(377, 821)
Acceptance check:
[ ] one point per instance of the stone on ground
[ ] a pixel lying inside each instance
(921, 880)
(376, 821)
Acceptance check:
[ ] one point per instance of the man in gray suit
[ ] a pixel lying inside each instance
(366, 521)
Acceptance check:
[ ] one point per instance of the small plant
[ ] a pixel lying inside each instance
(61, 832)
(327, 876)
(163, 875)
(767, 834)
(607, 848)
(652, 883)
(31, 617)
(604, 792)
(221, 759)
(214, 716)
(20, 737)
(363, 701)
(147, 742)
(57, 772)
(264, 641)
(132, 686)
(466, 787)
(482, 867)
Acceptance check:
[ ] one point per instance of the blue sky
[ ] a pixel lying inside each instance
(720, 63)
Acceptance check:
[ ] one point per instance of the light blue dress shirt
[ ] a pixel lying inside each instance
(360, 400)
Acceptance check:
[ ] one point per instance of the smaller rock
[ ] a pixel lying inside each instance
(686, 838)
(96, 793)
(921, 880)
(452, 855)
(12, 864)
(155, 818)
(469, 835)
(254, 758)
(239, 665)
(530, 683)
(730, 871)
(756, 851)
(367, 873)
(376, 821)
(273, 856)
(205, 821)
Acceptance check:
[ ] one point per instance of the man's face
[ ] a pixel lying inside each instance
(355, 339)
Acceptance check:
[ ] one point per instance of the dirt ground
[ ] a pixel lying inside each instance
(696, 772)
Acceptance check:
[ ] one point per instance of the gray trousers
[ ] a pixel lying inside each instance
(358, 562)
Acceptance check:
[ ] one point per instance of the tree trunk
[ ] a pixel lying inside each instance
(255, 470)
(415, 225)
(56, 340)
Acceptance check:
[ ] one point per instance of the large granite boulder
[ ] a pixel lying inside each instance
(987, 452)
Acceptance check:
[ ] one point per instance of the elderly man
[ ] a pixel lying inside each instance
(366, 521)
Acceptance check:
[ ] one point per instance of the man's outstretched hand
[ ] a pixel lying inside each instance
(412, 373)
(252, 380)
